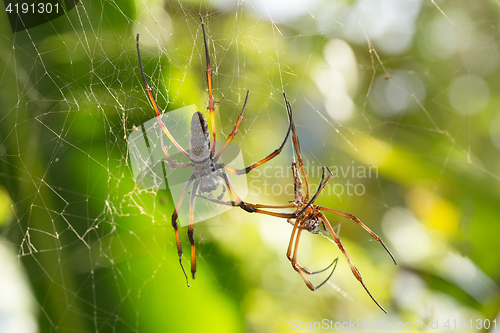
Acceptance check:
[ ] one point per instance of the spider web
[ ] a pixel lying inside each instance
(396, 97)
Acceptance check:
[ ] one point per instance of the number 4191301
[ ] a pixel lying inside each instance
(32, 8)
(463, 324)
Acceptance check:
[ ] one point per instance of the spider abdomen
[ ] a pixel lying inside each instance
(199, 139)
(209, 184)
(311, 223)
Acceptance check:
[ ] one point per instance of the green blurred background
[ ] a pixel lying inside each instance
(403, 87)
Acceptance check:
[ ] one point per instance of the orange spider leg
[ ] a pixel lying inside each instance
(247, 207)
(297, 266)
(175, 215)
(158, 117)
(355, 219)
(190, 227)
(264, 160)
(235, 129)
(341, 247)
(252, 208)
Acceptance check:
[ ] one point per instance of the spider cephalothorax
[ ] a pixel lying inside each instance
(199, 152)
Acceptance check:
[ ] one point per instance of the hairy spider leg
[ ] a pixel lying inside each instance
(158, 118)
(211, 102)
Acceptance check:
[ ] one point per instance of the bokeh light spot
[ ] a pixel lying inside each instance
(469, 94)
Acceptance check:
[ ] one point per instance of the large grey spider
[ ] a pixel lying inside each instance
(207, 174)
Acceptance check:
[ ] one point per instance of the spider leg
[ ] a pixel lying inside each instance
(158, 117)
(200, 194)
(232, 203)
(353, 268)
(297, 149)
(331, 273)
(307, 271)
(327, 178)
(264, 160)
(235, 129)
(255, 208)
(223, 188)
(175, 215)
(355, 219)
(290, 244)
(208, 197)
(299, 155)
(190, 227)
(321, 186)
(297, 266)
(243, 205)
(211, 102)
